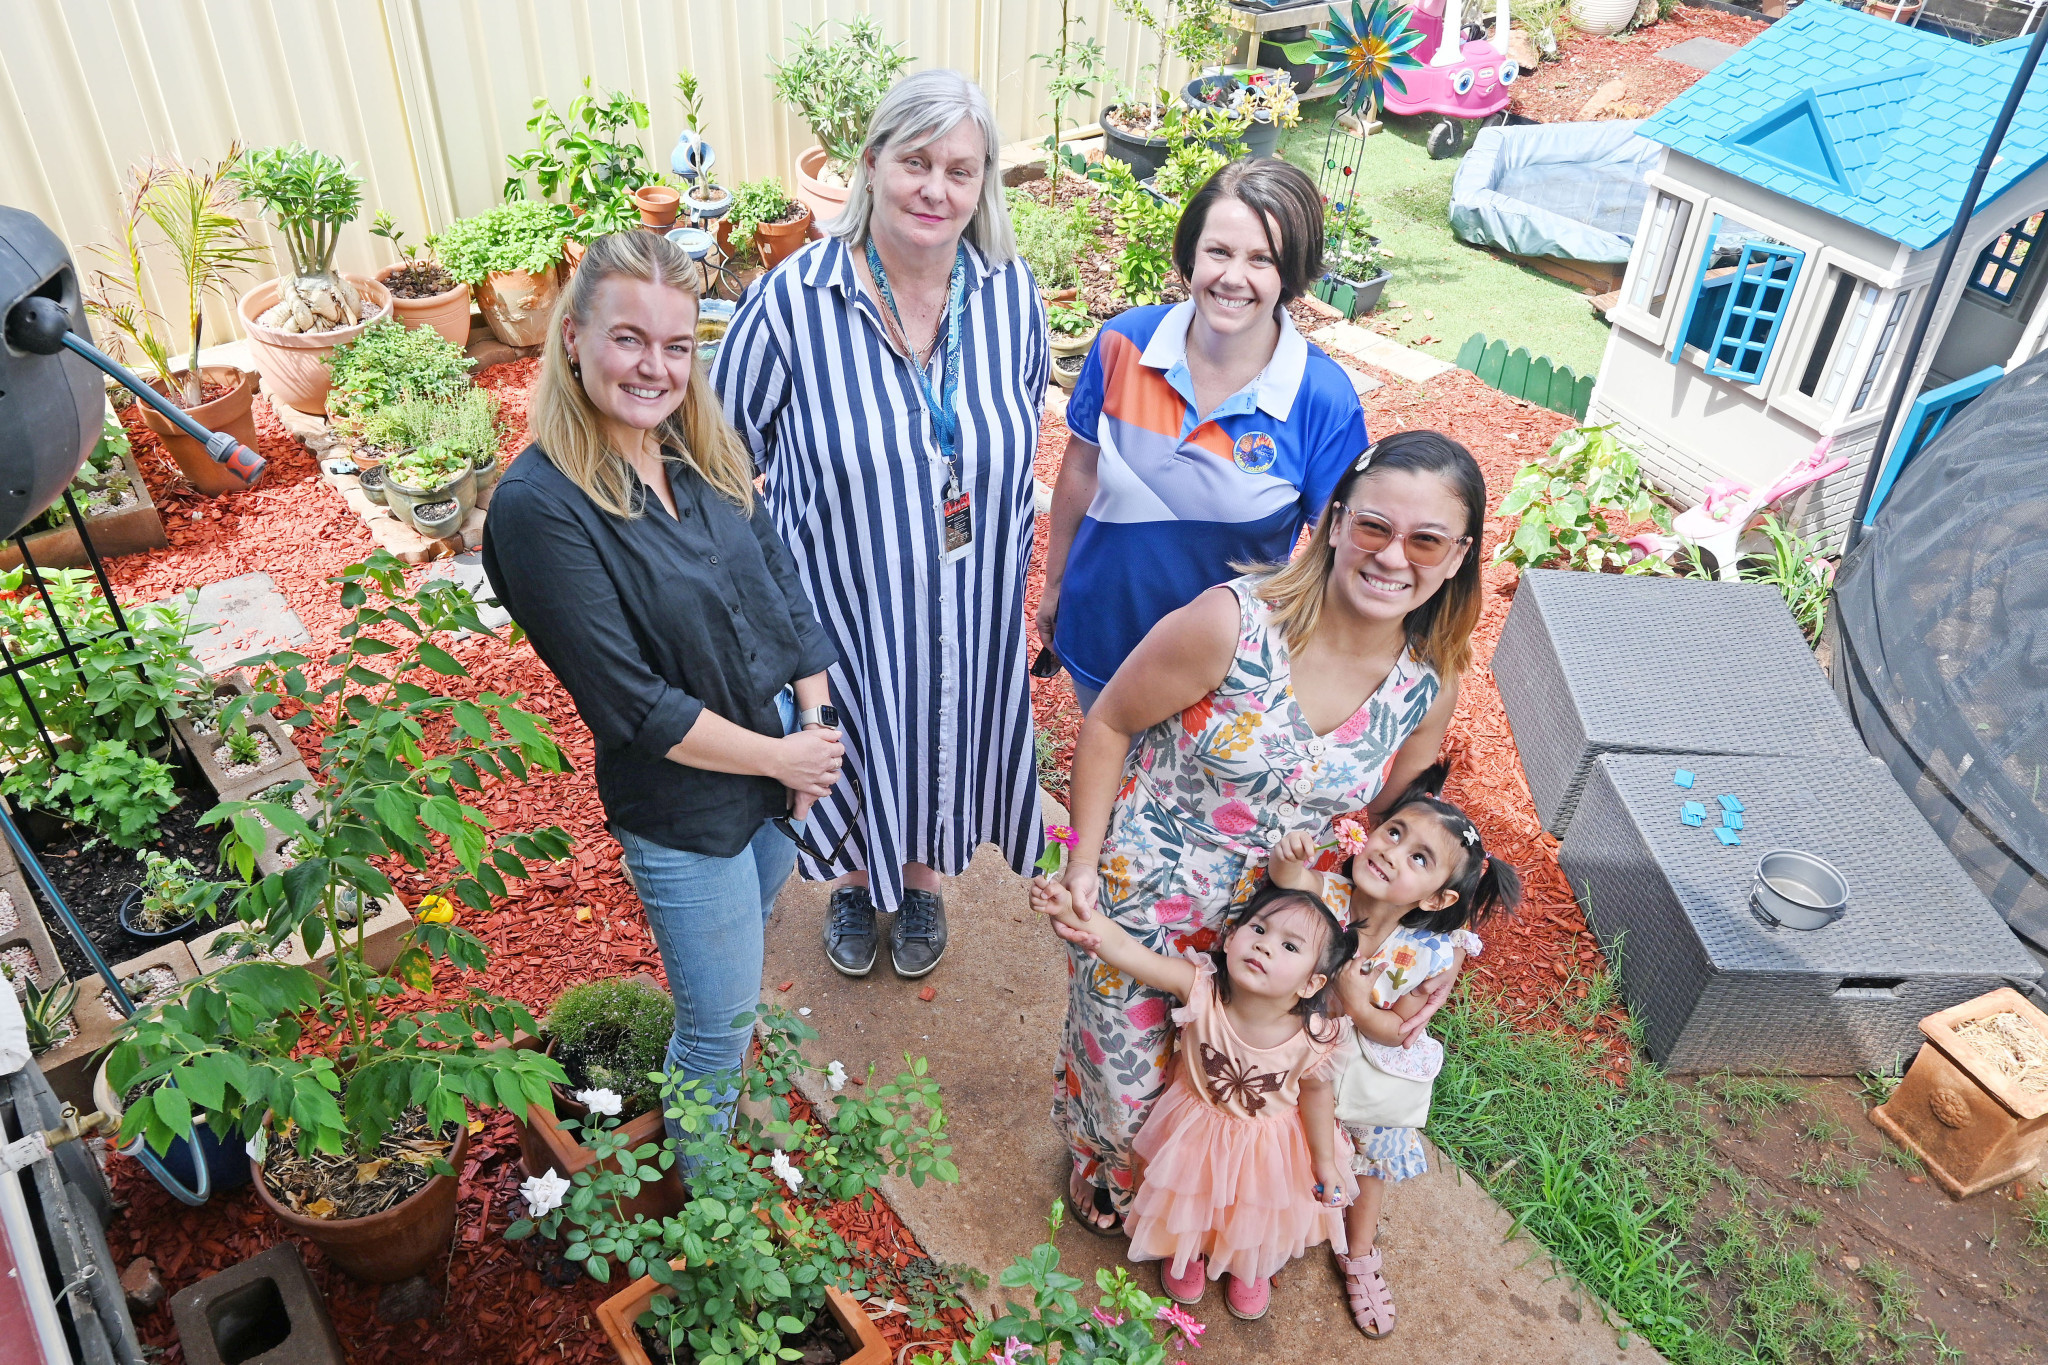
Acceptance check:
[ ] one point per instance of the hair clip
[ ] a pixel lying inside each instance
(1366, 458)
(1471, 835)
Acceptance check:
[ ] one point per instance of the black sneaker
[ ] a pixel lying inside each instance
(850, 931)
(917, 940)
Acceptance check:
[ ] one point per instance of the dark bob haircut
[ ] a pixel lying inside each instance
(1283, 197)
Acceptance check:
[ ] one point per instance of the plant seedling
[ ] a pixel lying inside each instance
(47, 1013)
(242, 746)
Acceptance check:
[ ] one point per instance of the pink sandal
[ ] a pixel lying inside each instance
(1372, 1303)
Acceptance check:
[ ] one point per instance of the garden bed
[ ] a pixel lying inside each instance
(94, 881)
(1559, 91)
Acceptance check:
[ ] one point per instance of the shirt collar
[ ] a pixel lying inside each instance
(1276, 385)
(832, 264)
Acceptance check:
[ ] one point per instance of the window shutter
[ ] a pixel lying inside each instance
(1755, 308)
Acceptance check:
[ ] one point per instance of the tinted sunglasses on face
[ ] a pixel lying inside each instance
(1372, 534)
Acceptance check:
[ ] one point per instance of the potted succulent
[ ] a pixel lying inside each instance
(1073, 332)
(162, 907)
(46, 1013)
(766, 220)
(1264, 101)
(693, 156)
(294, 322)
(420, 484)
(508, 255)
(422, 290)
(385, 1088)
(190, 209)
(835, 87)
(1354, 275)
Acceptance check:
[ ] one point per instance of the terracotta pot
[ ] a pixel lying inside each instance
(516, 304)
(446, 313)
(657, 205)
(825, 201)
(545, 1145)
(230, 413)
(618, 1313)
(294, 364)
(572, 256)
(1972, 1127)
(386, 1247)
(1904, 13)
(778, 241)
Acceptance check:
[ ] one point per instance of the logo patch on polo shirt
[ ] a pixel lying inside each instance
(1255, 452)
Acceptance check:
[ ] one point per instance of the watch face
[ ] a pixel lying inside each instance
(828, 716)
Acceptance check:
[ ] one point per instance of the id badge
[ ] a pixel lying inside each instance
(959, 513)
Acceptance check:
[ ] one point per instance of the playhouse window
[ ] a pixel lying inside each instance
(1660, 253)
(1850, 304)
(1738, 305)
(1884, 346)
(2004, 263)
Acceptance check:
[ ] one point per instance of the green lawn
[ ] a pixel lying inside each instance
(1468, 289)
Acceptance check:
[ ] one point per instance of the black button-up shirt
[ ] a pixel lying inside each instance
(648, 623)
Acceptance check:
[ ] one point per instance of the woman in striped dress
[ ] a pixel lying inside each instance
(889, 379)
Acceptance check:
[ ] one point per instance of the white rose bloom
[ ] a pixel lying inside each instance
(835, 1075)
(786, 1172)
(605, 1102)
(544, 1193)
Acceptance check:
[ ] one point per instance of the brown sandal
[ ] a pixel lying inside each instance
(1372, 1303)
(1098, 1205)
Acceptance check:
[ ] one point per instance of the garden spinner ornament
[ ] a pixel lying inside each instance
(1368, 54)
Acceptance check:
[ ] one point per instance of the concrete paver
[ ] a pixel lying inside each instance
(1462, 1289)
(239, 617)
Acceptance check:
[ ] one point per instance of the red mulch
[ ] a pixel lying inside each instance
(1556, 91)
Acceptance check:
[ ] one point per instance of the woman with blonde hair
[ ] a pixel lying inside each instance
(629, 545)
(888, 379)
(1265, 707)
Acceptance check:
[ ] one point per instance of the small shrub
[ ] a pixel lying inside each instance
(391, 361)
(1563, 503)
(756, 202)
(166, 882)
(1052, 241)
(526, 235)
(121, 792)
(612, 1035)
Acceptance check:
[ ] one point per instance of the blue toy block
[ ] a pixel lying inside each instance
(1727, 836)
(1681, 778)
(1730, 820)
(1730, 803)
(1695, 810)
(1686, 817)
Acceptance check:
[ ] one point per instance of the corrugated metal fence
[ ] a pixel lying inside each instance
(426, 97)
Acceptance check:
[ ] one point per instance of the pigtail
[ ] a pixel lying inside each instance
(1427, 786)
(1497, 891)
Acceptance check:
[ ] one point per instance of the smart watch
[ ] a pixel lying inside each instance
(826, 715)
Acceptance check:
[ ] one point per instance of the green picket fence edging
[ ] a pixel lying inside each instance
(1538, 379)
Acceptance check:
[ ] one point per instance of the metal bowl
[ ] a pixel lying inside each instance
(1796, 890)
(695, 241)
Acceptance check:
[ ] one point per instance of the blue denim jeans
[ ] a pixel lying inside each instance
(709, 917)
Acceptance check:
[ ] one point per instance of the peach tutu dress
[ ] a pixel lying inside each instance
(1226, 1172)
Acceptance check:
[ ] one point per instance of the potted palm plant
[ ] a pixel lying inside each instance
(835, 88)
(387, 1089)
(422, 291)
(190, 209)
(293, 323)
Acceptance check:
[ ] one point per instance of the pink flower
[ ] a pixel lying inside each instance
(1174, 910)
(1350, 730)
(1351, 835)
(1060, 834)
(1147, 1014)
(1183, 1323)
(1234, 818)
(1108, 1319)
(1013, 1350)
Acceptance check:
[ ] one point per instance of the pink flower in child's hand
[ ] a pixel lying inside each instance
(1174, 910)
(1147, 1015)
(1060, 834)
(1183, 1323)
(1234, 818)
(1351, 835)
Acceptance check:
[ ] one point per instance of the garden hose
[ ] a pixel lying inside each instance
(34, 866)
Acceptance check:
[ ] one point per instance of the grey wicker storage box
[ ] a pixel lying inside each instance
(1592, 663)
(1712, 984)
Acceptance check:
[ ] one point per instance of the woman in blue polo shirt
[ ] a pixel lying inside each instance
(1203, 434)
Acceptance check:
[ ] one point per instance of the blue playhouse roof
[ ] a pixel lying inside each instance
(1873, 122)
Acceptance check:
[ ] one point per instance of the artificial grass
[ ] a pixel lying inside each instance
(1468, 289)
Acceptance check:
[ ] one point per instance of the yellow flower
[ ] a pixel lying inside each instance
(436, 910)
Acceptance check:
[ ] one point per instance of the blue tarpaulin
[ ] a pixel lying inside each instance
(1574, 190)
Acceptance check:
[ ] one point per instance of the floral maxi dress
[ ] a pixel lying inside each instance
(1205, 795)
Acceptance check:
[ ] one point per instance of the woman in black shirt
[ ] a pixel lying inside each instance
(627, 542)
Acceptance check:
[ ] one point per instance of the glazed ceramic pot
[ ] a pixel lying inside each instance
(294, 364)
(446, 312)
(230, 413)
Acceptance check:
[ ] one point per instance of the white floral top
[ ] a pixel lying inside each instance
(1411, 956)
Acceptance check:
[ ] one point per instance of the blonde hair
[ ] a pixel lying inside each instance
(567, 425)
(1440, 630)
(919, 110)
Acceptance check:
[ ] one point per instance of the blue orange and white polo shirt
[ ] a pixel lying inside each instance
(1177, 501)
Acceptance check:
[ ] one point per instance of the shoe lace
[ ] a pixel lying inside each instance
(851, 914)
(918, 917)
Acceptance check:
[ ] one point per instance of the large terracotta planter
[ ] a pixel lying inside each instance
(517, 303)
(294, 364)
(825, 201)
(386, 1247)
(1972, 1127)
(618, 1313)
(447, 313)
(777, 242)
(231, 413)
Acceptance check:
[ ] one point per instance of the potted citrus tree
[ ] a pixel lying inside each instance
(294, 322)
(835, 87)
(508, 255)
(422, 291)
(190, 210)
(304, 1066)
(694, 157)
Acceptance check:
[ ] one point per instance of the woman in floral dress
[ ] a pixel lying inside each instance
(1268, 705)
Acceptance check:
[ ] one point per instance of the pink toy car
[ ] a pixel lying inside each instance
(1472, 82)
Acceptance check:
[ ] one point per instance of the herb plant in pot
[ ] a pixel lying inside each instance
(388, 363)
(163, 907)
(190, 210)
(425, 481)
(1354, 273)
(766, 220)
(296, 1063)
(508, 255)
(1073, 332)
(835, 87)
(422, 290)
(294, 322)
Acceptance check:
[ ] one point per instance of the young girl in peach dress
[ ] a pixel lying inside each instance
(1240, 1169)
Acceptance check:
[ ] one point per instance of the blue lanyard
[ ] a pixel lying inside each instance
(941, 405)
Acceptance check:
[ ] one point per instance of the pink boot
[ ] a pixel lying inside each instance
(1187, 1286)
(1248, 1299)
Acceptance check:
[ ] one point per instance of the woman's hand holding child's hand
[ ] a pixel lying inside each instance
(1069, 919)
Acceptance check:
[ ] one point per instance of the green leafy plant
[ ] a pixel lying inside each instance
(1795, 568)
(120, 791)
(47, 1013)
(835, 87)
(242, 746)
(310, 195)
(1052, 241)
(391, 361)
(1072, 70)
(754, 203)
(1348, 246)
(1567, 501)
(192, 210)
(1125, 1326)
(467, 422)
(238, 1045)
(586, 160)
(1146, 222)
(166, 884)
(1069, 321)
(432, 466)
(101, 483)
(519, 236)
(613, 1035)
(1190, 30)
(1542, 20)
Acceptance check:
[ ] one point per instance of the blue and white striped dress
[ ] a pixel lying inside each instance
(932, 685)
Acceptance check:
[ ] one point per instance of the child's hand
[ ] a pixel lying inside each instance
(1287, 862)
(1355, 981)
(1435, 990)
(1069, 920)
(1336, 1186)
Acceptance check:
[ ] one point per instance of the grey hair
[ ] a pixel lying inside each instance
(919, 110)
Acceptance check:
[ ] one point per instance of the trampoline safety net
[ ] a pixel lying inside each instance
(1941, 641)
